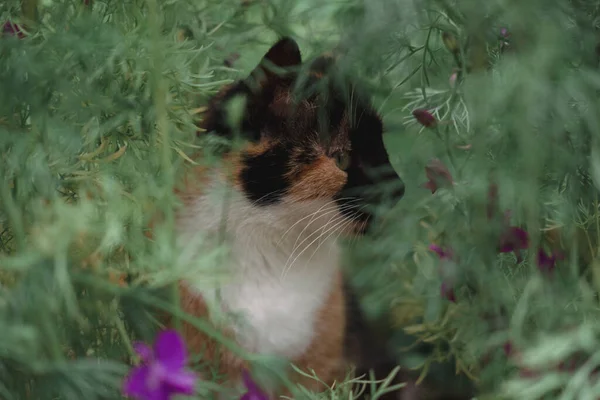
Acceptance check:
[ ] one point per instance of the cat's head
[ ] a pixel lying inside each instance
(308, 137)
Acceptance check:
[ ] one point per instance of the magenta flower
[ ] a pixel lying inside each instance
(446, 288)
(547, 262)
(508, 349)
(162, 372)
(504, 39)
(514, 239)
(12, 29)
(443, 254)
(254, 392)
(447, 292)
(438, 176)
(424, 117)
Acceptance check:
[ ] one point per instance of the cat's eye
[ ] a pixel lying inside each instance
(342, 159)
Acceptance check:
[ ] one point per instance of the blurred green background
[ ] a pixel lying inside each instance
(98, 101)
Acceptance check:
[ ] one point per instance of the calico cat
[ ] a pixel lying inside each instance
(309, 170)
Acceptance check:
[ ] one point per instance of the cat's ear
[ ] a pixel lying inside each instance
(281, 57)
(256, 91)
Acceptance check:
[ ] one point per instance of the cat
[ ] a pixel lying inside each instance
(308, 172)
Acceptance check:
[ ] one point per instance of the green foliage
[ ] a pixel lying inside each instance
(97, 113)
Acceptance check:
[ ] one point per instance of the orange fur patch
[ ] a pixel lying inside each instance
(321, 179)
(228, 365)
(325, 356)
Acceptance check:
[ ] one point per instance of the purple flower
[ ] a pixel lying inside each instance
(446, 288)
(12, 29)
(514, 239)
(438, 176)
(547, 262)
(443, 254)
(254, 392)
(447, 292)
(162, 371)
(508, 348)
(504, 39)
(424, 117)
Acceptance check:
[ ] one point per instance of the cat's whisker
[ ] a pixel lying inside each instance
(335, 206)
(340, 220)
(354, 218)
(333, 209)
(355, 234)
(337, 211)
(337, 216)
(317, 232)
(339, 232)
(332, 223)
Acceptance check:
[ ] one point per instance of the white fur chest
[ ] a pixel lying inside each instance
(282, 261)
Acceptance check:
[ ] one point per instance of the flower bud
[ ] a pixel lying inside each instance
(424, 117)
(12, 29)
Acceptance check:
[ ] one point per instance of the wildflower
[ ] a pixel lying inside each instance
(443, 254)
(447, 292)
(446, 288)
(504, 37)
(254, 392)
(12, 29)
(161, 373)
(450, 42)
(424, 117)
(514, 239)
(508, 349)
(547, 262)
(438, 176)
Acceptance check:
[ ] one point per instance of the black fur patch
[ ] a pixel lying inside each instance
(263, 176)
(370, 172)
